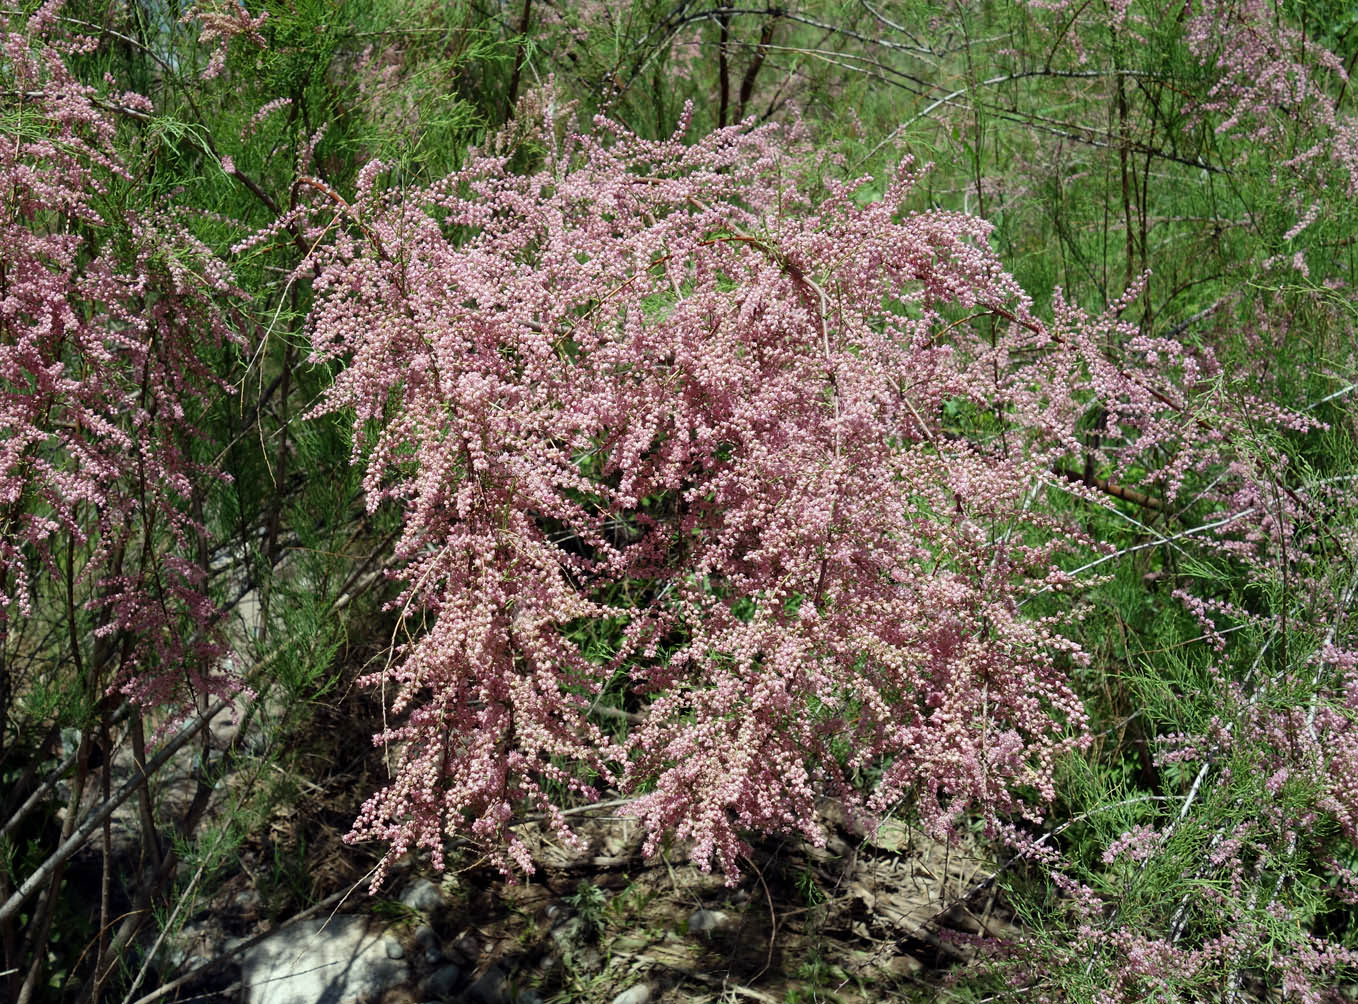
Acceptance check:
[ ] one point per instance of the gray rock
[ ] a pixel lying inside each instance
(467, 947)
(427, 941)
(707, 921)
(568, 934)
(394, 949)
(491, 988)
(442, 981)
(424, 896)
(322, 961)
(638, 994)
(528, 997)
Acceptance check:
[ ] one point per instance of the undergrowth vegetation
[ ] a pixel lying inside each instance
(709, 410)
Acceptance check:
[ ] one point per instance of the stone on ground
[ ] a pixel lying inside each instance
(318, 961)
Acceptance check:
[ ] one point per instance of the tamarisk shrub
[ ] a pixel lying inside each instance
(753, 465)
(1275, 88)
(1244, 882)
(106, 319)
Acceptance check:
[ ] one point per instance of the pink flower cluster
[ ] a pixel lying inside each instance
(1274, 91)
(219, 22)
(659, 394)
(103, 324)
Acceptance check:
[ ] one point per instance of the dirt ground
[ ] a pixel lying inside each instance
(871, 916)
(868, 917)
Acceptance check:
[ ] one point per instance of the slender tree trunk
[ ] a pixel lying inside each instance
(723, 67)
(752, 71)
(512, 95)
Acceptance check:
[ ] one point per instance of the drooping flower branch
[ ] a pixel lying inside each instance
(106, 321)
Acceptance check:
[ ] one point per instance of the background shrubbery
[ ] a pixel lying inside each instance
(965, 432)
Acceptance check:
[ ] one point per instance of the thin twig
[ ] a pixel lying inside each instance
(96, 818)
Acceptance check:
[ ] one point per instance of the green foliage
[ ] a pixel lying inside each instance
(591, 904)
(1076, 140)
